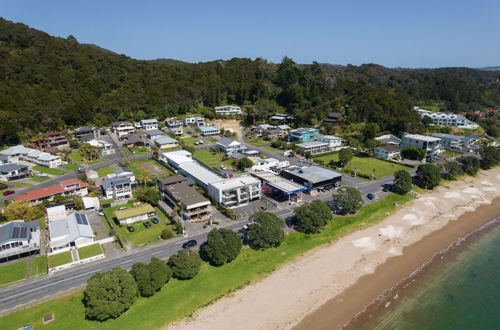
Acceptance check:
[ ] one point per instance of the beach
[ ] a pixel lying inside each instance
(328, 286)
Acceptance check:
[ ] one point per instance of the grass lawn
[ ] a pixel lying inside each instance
(366, 165)
(258, 142)
(190, 141)
(89, 251)
(71, 167)
(39, 178)
(140, 151)
(52, 171)
(60, 259)
(185, 297)
(76, 156)
(213, 159)
(434, 108)
(105, 171)
(212, 139)
(39, 266)
(106, 201)
(148, 167)
(451, 153)
(97, 161)
(19, 184)
(13, 272)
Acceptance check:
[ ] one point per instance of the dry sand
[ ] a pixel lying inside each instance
(285, 297)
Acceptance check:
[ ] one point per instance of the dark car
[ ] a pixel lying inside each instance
(155, 221)
(386, 187)
(8, 192)
(189, 244)
(147, 224)
(130, 228)
(370, 196)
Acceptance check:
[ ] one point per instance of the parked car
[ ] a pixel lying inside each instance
(247, 225)
(387, 187)
(222, 167)
(147, 224)
(101, 213)
(81, 169)
(201, 142)
(370, 196)
(8, 192)
(155, 221)
(189, 244)
(122, 208)
(130, 228)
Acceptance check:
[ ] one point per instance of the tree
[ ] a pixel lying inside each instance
(414, 153)
(345, 156)
(450, 170)
(428, 176)
(243, 163)
(148, 195)
(402, 182)
(23, 210)
(88, 151)
(312, 216)
(167, 233)
(470, 164)
(222, 246)
(78, 203)
(109, 294)
(142, 276)
(160, 273)
(348, 199)
(185, 264)
(266, 230)
(370, 131)
(490, 156)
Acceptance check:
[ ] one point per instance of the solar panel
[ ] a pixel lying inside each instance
(84, 219)
(78, 219)
(15, 232)
(24, 232)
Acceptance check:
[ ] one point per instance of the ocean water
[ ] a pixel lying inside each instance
(458, 290)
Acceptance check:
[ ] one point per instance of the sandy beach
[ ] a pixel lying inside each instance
(342, 274)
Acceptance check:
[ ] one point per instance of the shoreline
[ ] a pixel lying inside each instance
(347, 309)
(296, 290)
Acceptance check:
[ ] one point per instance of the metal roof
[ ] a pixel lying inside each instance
(313, 173)
(18, 230)
(66, 230)
(134, 211)
(187, 195)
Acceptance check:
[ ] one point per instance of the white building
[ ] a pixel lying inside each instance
(229, 146)
(19, 237)
(269, 165)
(450, 141)
(122, 128)
(447, 119)
(431, 144)
(73, 230)
(91, 203)
(388, 152)
(57, 212)
(148, 124)
(323, 144)
(105, 148)
(11, 172)
(228, 110)
(117, 188)
(19, 152)
(199, 121)
(236, 191)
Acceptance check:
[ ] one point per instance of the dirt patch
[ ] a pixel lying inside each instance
(233, 124)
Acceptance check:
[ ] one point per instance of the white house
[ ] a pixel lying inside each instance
(19, 152)
(229, 146)
(11, 172)
(199, 121)
(149, 124)
(91, 203)
(57, 212)
(19, 237)
(117, 188)
(105, 148)
(73, 230)
(228, 110)
(122, 128)
(388, 152)
(269, 165)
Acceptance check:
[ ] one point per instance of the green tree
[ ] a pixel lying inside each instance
(312, 216)
(88, 151)
(159, 272)
(167, 233)
(148, 195)
(222, 246)
(348, 199)
(109, 294)
(243, 163)
(490, 156)
(23, 210)
(142, 276)
(414, 153)
(370, 131)
(402, 182)
(450, 170)
(428, 176)
(345, 156)
(470, 164)
(185, 264)
(266, 231)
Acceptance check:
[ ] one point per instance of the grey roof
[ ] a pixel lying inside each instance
(447, 136)
(18, 230)
(108, 183)
(314, 173)
(226, 141)
(392, 148)
(85, 129)
(6, 168)
(117, 123)
(121, 169)
(172, 179)
(133, 138)
(334, 115)
(185, 194)
(66, 230)
(155, 132)
(4, 158)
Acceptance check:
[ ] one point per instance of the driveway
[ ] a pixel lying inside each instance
(97, 225)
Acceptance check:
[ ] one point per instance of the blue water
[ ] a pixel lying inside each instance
(459, 291)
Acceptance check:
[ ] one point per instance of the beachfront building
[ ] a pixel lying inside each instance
(447, 119)
(228, 110)
(51, 141)
(269, 165)
(229, 146)
(122, 128)
(236, 191)
(388, 152)
(19, 238)
(148, 124)
(429, 143)
(323, 144)
(303, 134)
(193, 206)
(209, 131)
(450, 141)
(87, 133)
(279, 188)
(135, 214)
(18, 153)
(198, 121)
(72, 230)
(71, 187)
(105, 148)
(12, 172)
(165, 142)
(314, 178)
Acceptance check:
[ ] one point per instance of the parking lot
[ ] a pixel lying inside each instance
(254, 206)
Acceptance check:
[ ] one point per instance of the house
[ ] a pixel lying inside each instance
(388, 139)
(333, 118)
(117, 187)
(177, 131)
(229, 146)
(173, 122)
(123, 171)
(450, 141)
(73, 230)
(193, 206)
(71, 187)
(429, 143)
(269, 165)
(275, 132)
(87, 133)
(447, 119)
(236, 191)
(209, 130)
(134, 141)
(228, 110)
(91, 203)
(388, 152)
(17, 153)
(122, 128)
(105, 148)
(56, 212)
(314, 178)
(165, 142)
(281, 118)
(303, 134)
(135, 214)
(51, 140)
(18, 238)
(11, 172)
(4, 159)
(148, 124)
(323, 144)
(198, 121)
(469, 140)
(91, 175)
(154, 134)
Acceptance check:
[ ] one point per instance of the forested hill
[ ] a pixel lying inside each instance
(51, 83)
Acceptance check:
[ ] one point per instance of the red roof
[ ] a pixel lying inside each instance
(51, 190)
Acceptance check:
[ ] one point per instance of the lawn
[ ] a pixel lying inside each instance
(212, 139)
(451, 153)
(181, 298)
(140, 151)
(148, 167)
(105, 171)
(39, 266)
(70, 167)
(76, 156)
(366, 165)
(51, 171)
(89, 251)
(213, 159)
(60, 259)
(13, 272)
(19, 184)
(433, 108)
(97, 161)
(190, 141)
(258, 142)
(39, 178)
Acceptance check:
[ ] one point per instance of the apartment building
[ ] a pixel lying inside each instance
(228, 110)
(450, 141)
(118, 185)
(429, 143)
(193, 206)
(447, 119)
(19, 152)
(236, 191)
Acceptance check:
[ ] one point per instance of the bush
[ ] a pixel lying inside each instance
(185, 264)
(222, 246)
(312, 216)
(348, 199)
(414, 153)
(266, 232)
(428, 176)
(470, 164)
(450, 170)
(167, 233)
(402, 182)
